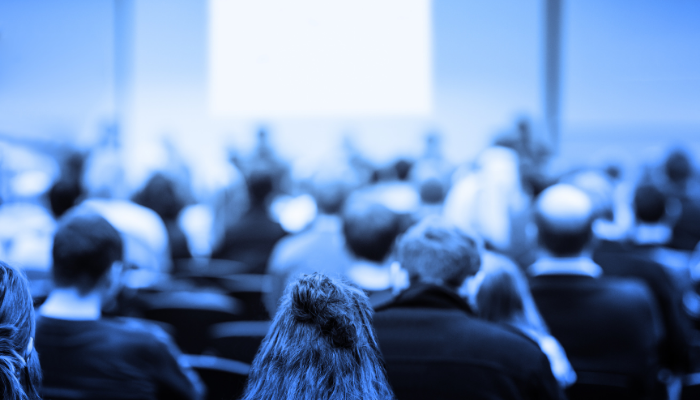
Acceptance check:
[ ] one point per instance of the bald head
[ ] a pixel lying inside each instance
(564, 215)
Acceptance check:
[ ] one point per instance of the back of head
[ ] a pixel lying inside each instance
(20, 373)
(370, 229)
(564, 215)
(160, 195)
(649, 204)
(260, 185)
(677, 166)
(433, 251)
(498, 298)
(321, 346)
(85, 246)
(329, 189)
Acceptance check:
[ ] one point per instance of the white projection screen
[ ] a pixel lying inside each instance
(319, 58)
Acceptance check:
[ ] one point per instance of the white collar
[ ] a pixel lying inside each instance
(565, 266)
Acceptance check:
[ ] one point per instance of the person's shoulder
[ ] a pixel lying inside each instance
(135, 330)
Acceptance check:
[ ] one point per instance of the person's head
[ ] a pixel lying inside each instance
(433, 251)
(20, 373)
(329, 190)
(260, 185)
(678, 167)
(564, 215)
(85, 247)
(649, 204)
(370, 229)
(321, 345)
(160, 195)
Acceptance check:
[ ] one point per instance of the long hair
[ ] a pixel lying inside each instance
(503, 295)
(20, 374)
(321, 346)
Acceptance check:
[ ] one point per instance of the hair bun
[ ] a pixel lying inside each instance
(316, 299)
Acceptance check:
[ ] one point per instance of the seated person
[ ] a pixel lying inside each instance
(435, 347)
(252, 238)
(85, 355)
(370, 230)
(609, 327)
(320, 346)
(20, 373)
(501, 294)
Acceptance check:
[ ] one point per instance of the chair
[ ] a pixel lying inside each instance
(191, 314)
(238, 340)
(186, 267)
(250, 289)
(224, 379)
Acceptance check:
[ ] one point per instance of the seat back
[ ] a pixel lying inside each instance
(238, 340)
(224, 379)
(191, 314)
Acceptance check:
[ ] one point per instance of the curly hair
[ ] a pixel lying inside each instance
(20, 374)
(321, 346)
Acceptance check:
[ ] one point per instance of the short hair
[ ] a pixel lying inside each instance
(677, 166)
(260, 184)
(436, 252)
(321, 345)
(649, 204)
(160, 195)
(84, 247)
(370, 229)
(564, 217)
(19, 377)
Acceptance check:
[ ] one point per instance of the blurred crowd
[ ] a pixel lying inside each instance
(596, 269)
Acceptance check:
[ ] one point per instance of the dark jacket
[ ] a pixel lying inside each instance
(435, 348)
(250, 240)
(631, 261)
(609, 328)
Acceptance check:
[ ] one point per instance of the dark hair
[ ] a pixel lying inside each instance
(563, 243)
(321, 346)
(649, 204)
(677, 166)
(433, 251)
(432, 191)
(498, 299)
(84, 247)
(260, 185)
(20, 377)
(160, 195)
(370, 230)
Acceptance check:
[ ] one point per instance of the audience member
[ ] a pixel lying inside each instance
(20, 372)
(160, 195)
(639, 257)
(609, 328)
(321, 346)
(679, 173)
(370, 231)
(319, 248)
(433, 345)
(251, 239)
(502, 295)
(85, 355)
(489, 199)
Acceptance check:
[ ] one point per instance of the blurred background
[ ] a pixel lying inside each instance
(100, 95)
(207, 130)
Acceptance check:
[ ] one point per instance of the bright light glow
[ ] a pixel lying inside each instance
(338, 58)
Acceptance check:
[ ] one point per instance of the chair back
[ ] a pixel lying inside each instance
(238, 340)
(224, 379)
(191, 314)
